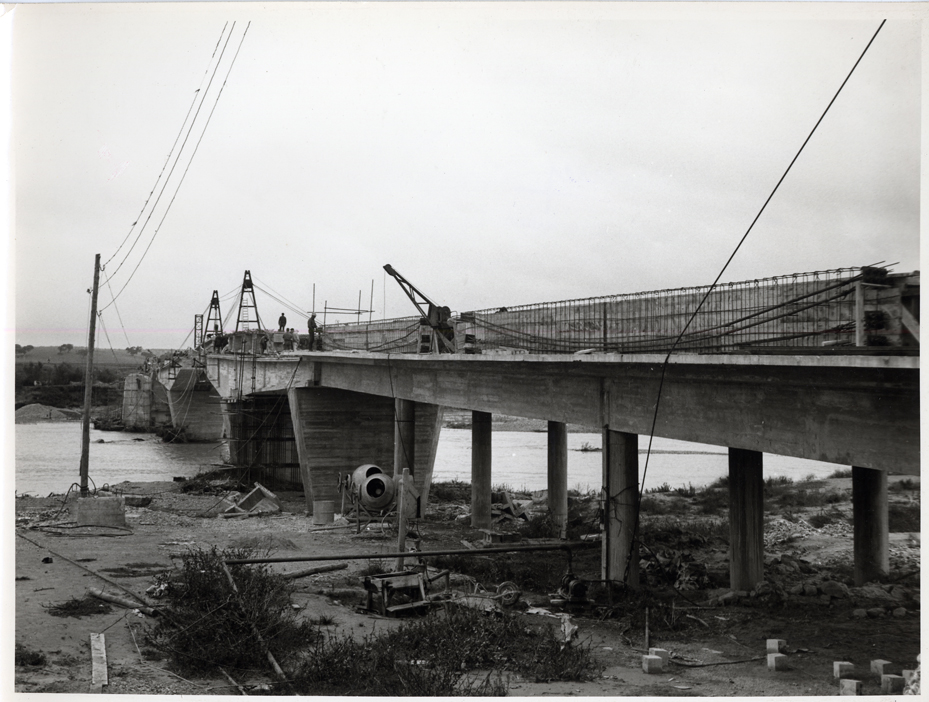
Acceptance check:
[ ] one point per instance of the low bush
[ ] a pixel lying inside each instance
(432, 657)
(450, 491)
(26, 656)
(841, 473)
(903, 518)
(208, 625)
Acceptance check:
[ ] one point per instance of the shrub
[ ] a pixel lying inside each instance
(431, 657)
(209, 625)
(903, 518)
(841, 473)
(450, 491)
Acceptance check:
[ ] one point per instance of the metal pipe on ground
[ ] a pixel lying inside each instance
(568, 546)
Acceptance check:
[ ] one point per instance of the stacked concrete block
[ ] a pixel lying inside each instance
(849, 687)
(653, 664)
(777, 646)
(879, 665)
(777, 661)
(663, 653)
(842, 669)
(100, 511)
(891, 684)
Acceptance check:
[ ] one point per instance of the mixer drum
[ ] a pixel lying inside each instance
(373, 488)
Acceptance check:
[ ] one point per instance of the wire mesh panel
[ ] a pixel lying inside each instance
(800, 310)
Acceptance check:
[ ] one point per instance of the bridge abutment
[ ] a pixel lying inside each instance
(871, 528)
(620, 560)
(558, 473)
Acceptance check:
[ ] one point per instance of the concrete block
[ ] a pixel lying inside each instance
(777, 661)
(663, 653)
(777, 646)
(653, 664)
(878, 665)
(100, 511)
(841, 669)
(892, 684)
(849, 687)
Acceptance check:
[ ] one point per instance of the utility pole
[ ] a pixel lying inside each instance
(89, 382)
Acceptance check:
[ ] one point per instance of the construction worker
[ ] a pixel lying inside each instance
(311, 328)
(281, 322)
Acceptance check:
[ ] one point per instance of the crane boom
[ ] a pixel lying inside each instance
(432, 314)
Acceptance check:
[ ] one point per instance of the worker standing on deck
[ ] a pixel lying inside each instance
(281, 322)
(311, 329)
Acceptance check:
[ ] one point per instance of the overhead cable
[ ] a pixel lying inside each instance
(190, 161)
(664, 365)
(168, 159)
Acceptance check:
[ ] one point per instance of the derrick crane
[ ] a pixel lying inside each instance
(434, 316)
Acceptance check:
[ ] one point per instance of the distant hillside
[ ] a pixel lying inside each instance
(77, 356)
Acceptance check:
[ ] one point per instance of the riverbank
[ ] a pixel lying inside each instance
(716, 638)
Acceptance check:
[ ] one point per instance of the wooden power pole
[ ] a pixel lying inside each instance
(89, 382)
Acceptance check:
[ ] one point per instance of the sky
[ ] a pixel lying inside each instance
(493, 153)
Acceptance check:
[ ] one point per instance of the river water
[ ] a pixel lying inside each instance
(48, 459)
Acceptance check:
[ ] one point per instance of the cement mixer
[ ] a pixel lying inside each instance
(372, 488)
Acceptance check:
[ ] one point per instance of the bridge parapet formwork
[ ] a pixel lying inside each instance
(798, 311)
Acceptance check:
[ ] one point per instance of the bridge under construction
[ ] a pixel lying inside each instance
(819, 365)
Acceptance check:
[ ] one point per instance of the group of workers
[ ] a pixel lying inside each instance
(218, 342)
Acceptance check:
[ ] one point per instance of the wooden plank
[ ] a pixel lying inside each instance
(98, 657)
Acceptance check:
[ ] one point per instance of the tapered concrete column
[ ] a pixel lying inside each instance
(869, 512)
(620, 561)
(558, 473)
(404, 437)
(481, 425)
(746, 519)
(336, 431)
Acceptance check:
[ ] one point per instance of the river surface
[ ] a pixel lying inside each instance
(48, 459)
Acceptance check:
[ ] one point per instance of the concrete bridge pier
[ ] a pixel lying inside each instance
(194, 405)
(620, 559)
(746, 519)
(871, 529)
(338, 430)
(558, 474)
(481, 431)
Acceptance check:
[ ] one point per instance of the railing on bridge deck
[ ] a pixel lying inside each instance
(801, 310)
(833, 309)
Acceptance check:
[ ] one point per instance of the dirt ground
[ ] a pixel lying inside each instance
(717, 639)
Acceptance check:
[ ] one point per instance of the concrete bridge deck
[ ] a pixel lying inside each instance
(851, 410)
(345, 409)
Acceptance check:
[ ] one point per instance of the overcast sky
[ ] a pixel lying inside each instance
(494, 154)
